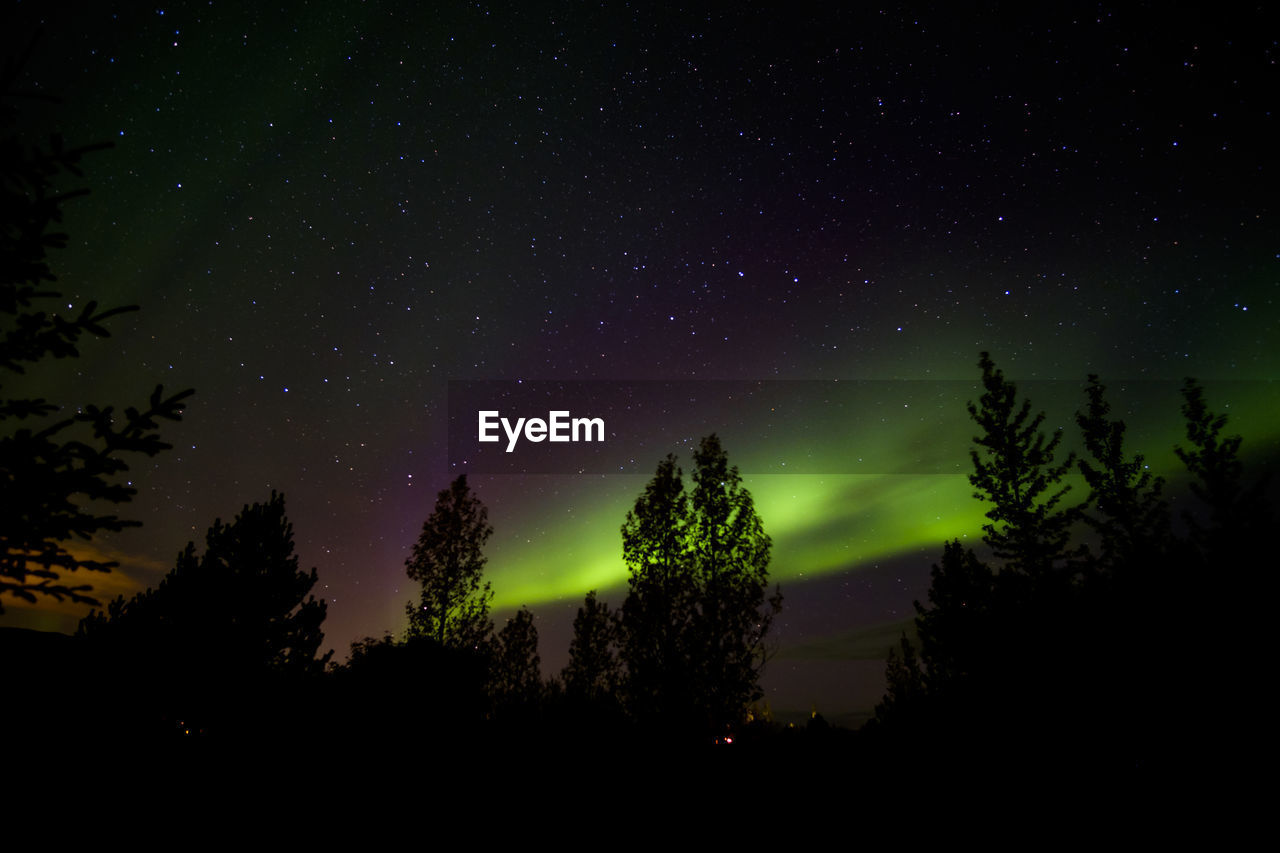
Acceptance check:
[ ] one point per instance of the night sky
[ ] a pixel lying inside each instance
(329, 212)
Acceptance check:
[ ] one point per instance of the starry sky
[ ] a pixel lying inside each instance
(328, 212)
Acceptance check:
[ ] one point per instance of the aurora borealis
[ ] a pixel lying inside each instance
(329, 212)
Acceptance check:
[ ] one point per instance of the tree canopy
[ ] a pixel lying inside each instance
(56, 463)
(699, 609)
(515, 680)
(243, 606)
(1036, 663)
(593, 673)
(227, 644)
(1015, 471)
(1125, 505)
(448, 561)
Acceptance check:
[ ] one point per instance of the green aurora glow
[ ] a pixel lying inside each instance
(830, 523)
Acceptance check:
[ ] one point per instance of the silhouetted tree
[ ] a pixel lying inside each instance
(730, 554)
(1229, 544)
(448, 561)
(515, 680)
(243, 606)
(54, 463)
(905, 681)
(1014, 471)
(957, 633)
(967, 631)
(1126, 508)
(226, 640)
(1238, 512)
(388, 688)
(699, 609)
(660, 602)
(594, 672)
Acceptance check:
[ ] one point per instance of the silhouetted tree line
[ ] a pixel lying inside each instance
(226, 647)
(678, 662)
(1068, 648)
(1082, 644)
